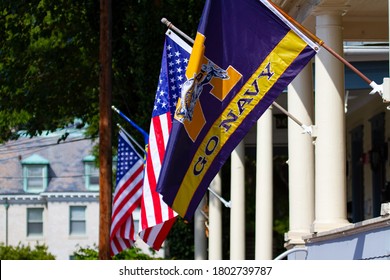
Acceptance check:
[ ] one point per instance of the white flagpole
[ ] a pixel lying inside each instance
(177, 30)
(226, 203)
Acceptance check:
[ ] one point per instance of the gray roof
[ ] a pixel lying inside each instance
(64, 158)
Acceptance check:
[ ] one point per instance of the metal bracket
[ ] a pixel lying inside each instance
(307, 129)
(228, 204)
(376, 88)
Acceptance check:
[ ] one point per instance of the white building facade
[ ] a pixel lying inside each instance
(49, 193)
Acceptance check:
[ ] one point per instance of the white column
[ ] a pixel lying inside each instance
(215, 220)
(237, 214)
(200, 241)
(300, 158)
(264, 187)
(330, 147)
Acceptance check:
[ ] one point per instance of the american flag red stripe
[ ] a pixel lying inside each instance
(130, 189)
(127, 196)
(157, 218)
(124, 237)
(127, 199)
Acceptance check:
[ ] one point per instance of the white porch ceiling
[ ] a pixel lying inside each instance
(364, 20)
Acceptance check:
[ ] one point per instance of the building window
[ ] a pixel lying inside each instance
(77, 220)
(34, 221)
(35, 178)
(35, 174)
(91, 174)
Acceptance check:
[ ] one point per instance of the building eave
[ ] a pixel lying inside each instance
(48, 197)
(361, 227)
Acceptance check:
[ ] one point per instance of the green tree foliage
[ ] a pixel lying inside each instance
(90, 253)
(180, 241)
(25, 252)
(49, 66)
(138, 37)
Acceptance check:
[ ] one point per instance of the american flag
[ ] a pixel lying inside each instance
(127, 196)
(156, 217)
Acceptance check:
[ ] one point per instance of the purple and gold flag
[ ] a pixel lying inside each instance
(245, 54)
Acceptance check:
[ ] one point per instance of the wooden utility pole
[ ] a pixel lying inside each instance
(105, 148)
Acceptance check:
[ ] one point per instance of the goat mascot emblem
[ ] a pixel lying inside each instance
(193, 87)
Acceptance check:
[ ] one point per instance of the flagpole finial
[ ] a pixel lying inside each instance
(166, 22)
(114, 108)
(174, 28)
